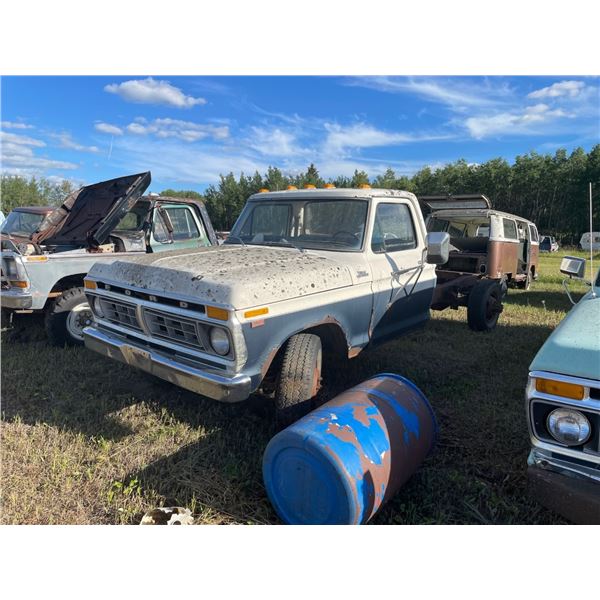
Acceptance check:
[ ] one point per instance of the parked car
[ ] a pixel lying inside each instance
(21, 223)
(563, 410)
(498, 246)
(590, 240)
(304, 276)
(548, 243)
(43, 267)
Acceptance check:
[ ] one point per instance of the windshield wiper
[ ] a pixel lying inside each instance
(235, 237)
(282, 243)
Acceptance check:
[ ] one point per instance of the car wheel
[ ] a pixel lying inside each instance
(299, 378)
(67, 317)
(484, 305)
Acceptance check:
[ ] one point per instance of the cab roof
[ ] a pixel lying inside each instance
(332, 194)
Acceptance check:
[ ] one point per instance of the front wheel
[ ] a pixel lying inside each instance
(67, 317)
(299, 379)
(484, 305)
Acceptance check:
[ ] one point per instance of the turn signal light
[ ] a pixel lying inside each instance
(256, 312)
(89, 285)
(560, 388)
(217, 313)
(19, 284)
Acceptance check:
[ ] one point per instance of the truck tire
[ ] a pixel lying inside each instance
(66, 318)
(484, 305)
(299, 378)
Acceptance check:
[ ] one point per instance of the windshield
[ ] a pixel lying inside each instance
(21, 223)
(312, 224)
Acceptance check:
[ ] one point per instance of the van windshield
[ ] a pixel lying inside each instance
(317, 224)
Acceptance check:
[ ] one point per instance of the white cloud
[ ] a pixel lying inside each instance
(456, 93)
(17, 156)
(187, 131)
(513, 123)
(361, 135)
(569, 89)
(15, 125)
(274, 142)
(66, 141)
(152, 91)
(108, 128)
(21, 140)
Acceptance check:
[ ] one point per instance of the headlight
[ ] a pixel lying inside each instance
(569, 427)
(219, 340)
(97, 307)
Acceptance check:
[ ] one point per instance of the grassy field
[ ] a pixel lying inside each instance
(87, 440)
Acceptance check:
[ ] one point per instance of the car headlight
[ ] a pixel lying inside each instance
(569, 427)
(219, 340)
(97, 307)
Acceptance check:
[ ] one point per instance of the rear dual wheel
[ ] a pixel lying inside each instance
(484, 305)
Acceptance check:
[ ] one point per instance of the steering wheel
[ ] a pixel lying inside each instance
(347, 234)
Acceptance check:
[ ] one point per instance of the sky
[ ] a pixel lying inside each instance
(189, 130)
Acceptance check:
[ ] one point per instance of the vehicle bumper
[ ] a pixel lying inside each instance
(204, 382)
(575, 498)
(14, 300)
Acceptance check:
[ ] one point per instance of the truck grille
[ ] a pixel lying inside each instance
(173, 328)
(121, 313)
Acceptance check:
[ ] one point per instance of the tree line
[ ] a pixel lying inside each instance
(550, 190)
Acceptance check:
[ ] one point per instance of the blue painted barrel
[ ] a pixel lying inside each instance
(343, 461)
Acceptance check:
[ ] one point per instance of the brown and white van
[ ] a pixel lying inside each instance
(486, 242)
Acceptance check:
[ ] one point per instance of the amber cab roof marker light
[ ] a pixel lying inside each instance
(291, 187)
(329, 186)
(310, 186)
(364, 186)
(263, 190)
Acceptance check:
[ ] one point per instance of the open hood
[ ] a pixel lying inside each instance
(466, 201)
(88, 216)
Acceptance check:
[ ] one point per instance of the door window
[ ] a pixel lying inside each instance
(534, 233)
(184, 225)
(393, 229)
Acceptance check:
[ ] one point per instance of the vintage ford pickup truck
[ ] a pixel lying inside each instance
(563, 410)
(303, 275)
(100, 222)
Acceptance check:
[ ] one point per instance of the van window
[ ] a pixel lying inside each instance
(534, 233)
(510, 229)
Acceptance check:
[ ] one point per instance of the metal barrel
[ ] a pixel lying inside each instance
(343, 461)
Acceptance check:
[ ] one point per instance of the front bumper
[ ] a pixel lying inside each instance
(574, 497)
(205, 382)
(15, 300)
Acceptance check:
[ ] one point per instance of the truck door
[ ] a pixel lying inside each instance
(402, 283)
(187, 230)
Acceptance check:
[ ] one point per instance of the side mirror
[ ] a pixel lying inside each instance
(573, 267)
(438, 247)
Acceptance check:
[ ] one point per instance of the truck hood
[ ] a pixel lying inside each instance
(235, 276)
(87, 216)
(574, 346)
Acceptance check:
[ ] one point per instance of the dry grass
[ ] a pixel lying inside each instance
(86, 440)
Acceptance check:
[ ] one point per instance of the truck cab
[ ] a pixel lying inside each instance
(303, 276)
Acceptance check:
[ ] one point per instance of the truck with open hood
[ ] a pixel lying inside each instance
(101, 222)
